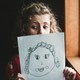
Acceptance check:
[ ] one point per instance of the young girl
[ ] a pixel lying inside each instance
(35, 19)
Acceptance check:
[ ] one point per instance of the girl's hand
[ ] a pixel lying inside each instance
(20, 77)
(69, 73)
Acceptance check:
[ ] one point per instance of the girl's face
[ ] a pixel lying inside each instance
(39, 24)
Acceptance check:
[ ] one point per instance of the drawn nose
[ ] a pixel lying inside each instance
(41, 62)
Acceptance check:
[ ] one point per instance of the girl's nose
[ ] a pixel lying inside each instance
(41, 31)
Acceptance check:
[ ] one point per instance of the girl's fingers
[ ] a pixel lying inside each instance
(69, 73)
(21, 76)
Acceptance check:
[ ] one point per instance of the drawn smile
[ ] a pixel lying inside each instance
(40, 69)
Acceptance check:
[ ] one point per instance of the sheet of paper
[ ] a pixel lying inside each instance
(42, 57)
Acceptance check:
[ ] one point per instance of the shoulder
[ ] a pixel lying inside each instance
(13, 66)
(14, 63)
(14, 59)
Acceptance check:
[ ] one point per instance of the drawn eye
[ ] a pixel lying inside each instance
(37, 57)
(46, 56)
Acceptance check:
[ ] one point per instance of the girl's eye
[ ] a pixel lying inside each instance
(46, 56)
(45, 27)
(34, 27)
(37, 57)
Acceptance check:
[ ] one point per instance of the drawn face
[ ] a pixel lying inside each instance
(39, 24)
(41, 62)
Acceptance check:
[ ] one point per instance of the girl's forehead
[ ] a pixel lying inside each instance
(40, 17)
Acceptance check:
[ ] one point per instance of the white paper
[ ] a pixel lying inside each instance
(42, 57)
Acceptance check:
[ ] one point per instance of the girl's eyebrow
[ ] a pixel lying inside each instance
(35, 22)
(46, 23)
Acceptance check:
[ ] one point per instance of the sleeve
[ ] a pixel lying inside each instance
(13, 68)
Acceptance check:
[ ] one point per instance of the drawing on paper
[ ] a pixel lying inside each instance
(41, 59)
